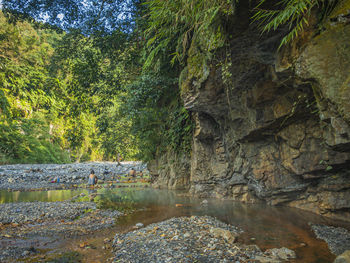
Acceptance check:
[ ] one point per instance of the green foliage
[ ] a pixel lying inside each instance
(26, 101)
(121, 202)
(30, 142)
(179, 136)
(159, 120)
(114, 129)
(173, 26)
(99, 91)
(55, 90)
(294, 14)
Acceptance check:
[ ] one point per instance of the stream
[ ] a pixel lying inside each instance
(263, 225)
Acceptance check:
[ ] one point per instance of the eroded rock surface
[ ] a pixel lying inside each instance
(271, 125)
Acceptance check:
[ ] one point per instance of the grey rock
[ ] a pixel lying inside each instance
(337, 238)
(25, 253)
(139, 225)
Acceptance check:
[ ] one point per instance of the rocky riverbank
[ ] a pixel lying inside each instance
(22, 177)
(337, 238)
(271, 124)
(26, 228)
(191, 239)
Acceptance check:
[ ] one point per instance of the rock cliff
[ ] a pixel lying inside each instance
(271, 125)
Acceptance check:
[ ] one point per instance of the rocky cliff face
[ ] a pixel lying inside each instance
(271, 125)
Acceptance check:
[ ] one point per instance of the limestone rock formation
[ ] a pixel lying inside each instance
(271, 125)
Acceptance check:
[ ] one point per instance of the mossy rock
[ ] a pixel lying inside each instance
(326, 59)
(196, 72)
(342, 8)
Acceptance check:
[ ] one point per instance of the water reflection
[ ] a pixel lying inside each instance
(44, 196)
(264, 225)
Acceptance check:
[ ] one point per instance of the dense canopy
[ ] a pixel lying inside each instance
(88, 80)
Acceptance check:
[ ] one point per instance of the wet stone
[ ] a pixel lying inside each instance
(139, 225)
(337, 238)
(25, 222)
(186, 239)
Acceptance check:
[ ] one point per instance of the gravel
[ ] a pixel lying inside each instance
(191, 239)
(337, 238)
(24, 225)
(26, 212)
(39, 176)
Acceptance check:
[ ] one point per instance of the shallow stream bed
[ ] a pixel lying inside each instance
(263, 225)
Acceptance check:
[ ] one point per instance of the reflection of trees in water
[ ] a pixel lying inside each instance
(115, 198)
(136, 195)
(260, 219)
(44, 196)
(110, 200)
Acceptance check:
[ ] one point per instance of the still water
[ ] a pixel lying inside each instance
(265, 226)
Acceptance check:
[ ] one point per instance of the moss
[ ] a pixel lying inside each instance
(196, 63)
(342, 8)
(196, 71)
(184, 83)
(327, 60)
(345, 99)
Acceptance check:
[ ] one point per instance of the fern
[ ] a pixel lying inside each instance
(294, 13)
(174, 25)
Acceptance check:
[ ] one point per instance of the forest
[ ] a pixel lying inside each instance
(94, 80)
(75, 94)
(175, 131)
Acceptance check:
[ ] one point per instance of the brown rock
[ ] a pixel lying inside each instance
(223, 233)
(278, 128)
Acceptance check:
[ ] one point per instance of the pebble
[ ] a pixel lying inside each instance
(51, 220)
(164, 242)
(139, 225)
(337, 238)
(25, 212)
(39, 176)
(25, 253)
(204, 202)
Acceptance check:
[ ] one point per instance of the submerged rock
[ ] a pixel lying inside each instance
(222, 233)
(281, 253)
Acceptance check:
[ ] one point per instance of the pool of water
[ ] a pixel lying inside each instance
(263, 225)
(44, 196)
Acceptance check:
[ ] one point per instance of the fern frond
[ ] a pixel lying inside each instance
(182, 22)
(293, 13)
